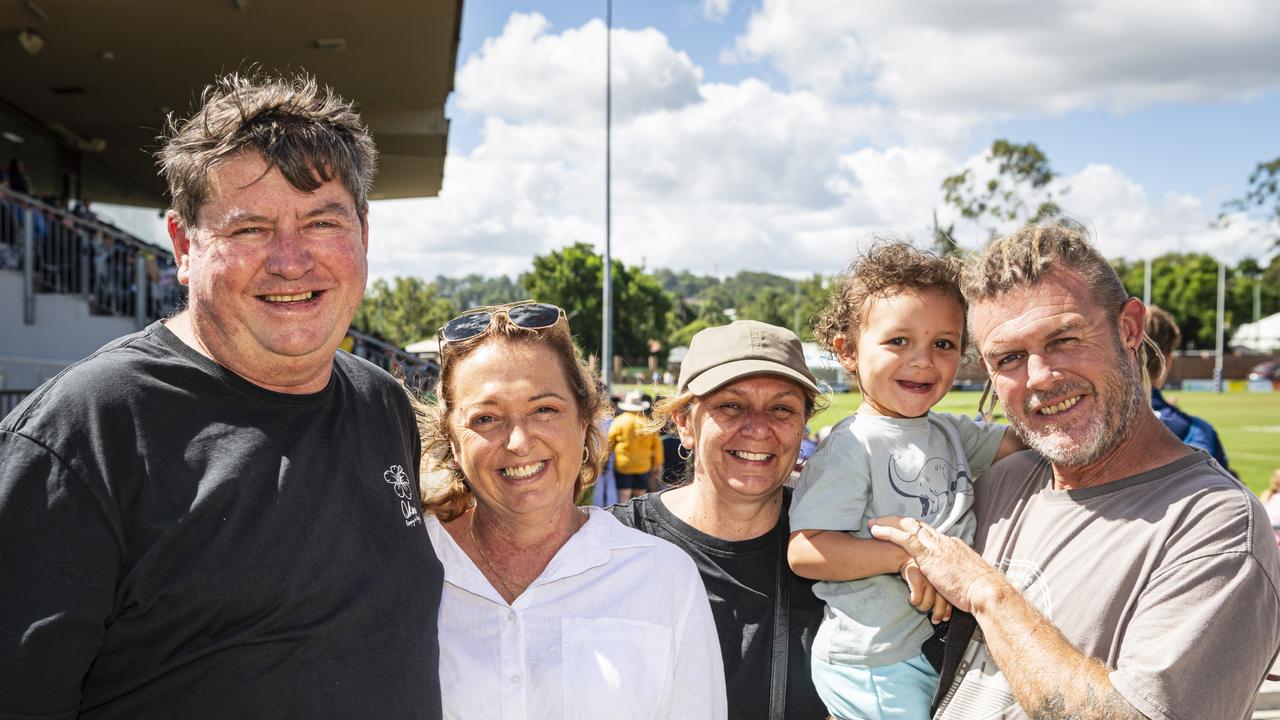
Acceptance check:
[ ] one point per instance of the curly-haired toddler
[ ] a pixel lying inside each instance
(896, 320)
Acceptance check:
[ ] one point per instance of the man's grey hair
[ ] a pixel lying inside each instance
(1028, 255)
(307, 131)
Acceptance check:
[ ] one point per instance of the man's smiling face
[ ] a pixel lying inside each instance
(275, 273)
(1062, 366)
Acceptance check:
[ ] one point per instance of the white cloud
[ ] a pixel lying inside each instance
(717, 177)
(716, 10)
(531, 74)
(998, 56)
(1126, 223)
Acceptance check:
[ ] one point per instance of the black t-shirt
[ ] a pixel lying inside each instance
(176, 542)
(741, 583)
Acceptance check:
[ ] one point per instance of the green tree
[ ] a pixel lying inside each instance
(404, 311)
(683, 284)
(944, 238)
(573, 278)
(476, 290)
(1186, 284)
(1022, 172)
(793, 306)
(1263, 192)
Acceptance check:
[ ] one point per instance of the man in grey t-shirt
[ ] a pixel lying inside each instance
(1121, 574)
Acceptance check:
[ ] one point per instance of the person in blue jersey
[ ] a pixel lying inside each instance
(1163, 330)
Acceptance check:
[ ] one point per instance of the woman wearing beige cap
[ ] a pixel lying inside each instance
(744, 395)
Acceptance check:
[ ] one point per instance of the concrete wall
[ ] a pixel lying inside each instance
(63, 333)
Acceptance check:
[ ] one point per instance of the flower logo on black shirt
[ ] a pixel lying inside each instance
(398, 479)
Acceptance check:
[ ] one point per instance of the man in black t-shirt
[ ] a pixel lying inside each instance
(218, 516)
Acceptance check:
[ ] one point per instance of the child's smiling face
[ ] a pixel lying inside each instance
(907, 351)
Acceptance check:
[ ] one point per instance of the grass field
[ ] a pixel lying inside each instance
(1248, 423)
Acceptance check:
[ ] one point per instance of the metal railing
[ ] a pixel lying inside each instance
(10, 398)
(118, 274)
(416, 373)
(61, 252)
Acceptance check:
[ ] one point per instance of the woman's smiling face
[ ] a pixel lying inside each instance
(745, 435)
(516, 431)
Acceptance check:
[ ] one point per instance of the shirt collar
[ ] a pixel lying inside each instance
(590, 547)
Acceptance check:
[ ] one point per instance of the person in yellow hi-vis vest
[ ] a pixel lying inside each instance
(637, 450)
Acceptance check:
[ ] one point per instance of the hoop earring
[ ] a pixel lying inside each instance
(586, 455)
(684, 453)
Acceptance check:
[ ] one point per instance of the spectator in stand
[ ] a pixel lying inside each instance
(637, 449)
(84, 211)
(10, 245)
(18, 181)
(1163, 330)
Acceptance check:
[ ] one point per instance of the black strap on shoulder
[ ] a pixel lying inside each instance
(959, 632)
(781, 630)
(635, 508)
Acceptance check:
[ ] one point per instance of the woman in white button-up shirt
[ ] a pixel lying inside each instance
(549, 610)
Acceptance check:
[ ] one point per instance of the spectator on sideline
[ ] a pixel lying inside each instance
(637, 449)
(1163, 330)
(217, 516)
(1117, 573)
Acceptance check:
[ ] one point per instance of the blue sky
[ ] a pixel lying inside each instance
(1196, 147)
(782, 135)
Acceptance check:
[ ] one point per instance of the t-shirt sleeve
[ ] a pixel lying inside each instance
(1203, 634)
(981, 440)
(59, 554)
(834, 487)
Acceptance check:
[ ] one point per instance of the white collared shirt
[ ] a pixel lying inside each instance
(617, 626)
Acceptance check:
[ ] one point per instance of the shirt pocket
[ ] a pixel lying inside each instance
(615, 668)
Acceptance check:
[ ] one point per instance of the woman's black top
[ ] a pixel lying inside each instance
(741, 578)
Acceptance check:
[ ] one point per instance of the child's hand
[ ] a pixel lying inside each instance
(923, 596)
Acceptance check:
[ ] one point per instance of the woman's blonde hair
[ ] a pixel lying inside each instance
(1274, 488)
(445, 491)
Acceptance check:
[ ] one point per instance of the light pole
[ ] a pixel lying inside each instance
(606, 336)
(1146, 283)
(1217, 352)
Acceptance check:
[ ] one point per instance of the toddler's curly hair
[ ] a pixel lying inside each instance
(889, 267)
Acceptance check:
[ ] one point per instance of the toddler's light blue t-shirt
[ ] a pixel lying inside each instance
(870, 467)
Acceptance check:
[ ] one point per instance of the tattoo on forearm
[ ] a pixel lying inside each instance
(1093, 706)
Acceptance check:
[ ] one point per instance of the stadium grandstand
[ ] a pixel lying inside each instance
(85, 89)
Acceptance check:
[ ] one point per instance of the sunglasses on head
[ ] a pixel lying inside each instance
(528, 315)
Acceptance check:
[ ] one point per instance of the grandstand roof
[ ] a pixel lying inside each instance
(108, 71)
